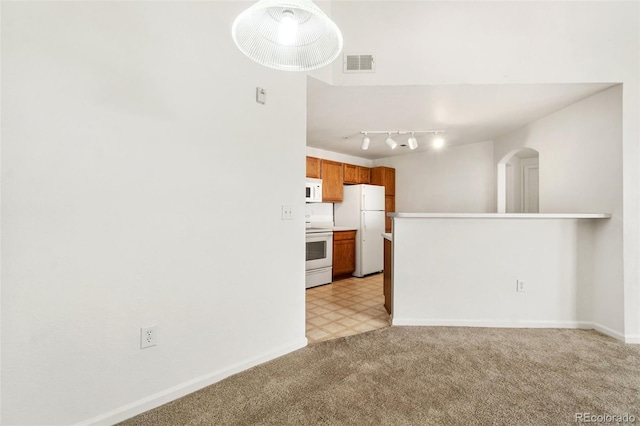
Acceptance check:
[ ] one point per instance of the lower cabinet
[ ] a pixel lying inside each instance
(344, 253)
(387, 276)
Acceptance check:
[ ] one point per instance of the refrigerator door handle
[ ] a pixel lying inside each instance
(364, 220)
(364, 204)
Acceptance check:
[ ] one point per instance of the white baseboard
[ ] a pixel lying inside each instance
(178, 391)
(518, 324)
(610, 332)
(491, 323)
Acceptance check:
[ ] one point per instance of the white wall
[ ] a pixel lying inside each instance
(456, 179)
(479, 42)
(131, 145)
(580, 170)
(463, 272)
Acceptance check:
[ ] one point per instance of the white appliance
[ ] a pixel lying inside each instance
(362, 208)
(314, 190)
(319, 256)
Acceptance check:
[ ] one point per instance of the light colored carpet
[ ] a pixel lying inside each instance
(425, 376)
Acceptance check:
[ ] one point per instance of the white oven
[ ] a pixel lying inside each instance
(319, 257)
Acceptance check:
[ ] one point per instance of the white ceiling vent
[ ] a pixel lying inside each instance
(359, 63)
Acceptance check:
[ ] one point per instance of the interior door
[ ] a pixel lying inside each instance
(530, 189)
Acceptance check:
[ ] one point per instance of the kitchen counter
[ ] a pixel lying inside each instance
(500, 215)
(343, 228)
(498, 269)
(387, 236)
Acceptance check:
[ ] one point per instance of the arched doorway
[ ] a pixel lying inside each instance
(518, 182)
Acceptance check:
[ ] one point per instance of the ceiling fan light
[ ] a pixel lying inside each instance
(390, 142)
(365, 143)
(288, 35)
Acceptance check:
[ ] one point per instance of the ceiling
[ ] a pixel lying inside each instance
(468, 113)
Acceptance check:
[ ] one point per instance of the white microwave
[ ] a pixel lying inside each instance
(314, 191)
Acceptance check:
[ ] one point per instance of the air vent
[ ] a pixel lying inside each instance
(359, 63)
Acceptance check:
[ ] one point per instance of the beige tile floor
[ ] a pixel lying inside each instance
(345, 307)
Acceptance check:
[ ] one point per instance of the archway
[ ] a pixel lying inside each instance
(518, 176)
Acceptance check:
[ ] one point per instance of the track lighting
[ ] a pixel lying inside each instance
(412, 142)
(365, 142)
(390, 142)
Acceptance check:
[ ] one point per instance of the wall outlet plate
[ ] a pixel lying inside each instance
(287, 212)
(148, 336)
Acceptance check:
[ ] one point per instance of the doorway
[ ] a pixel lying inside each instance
(518, 182)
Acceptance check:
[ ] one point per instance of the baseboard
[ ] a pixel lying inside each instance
(632, 339)
(491, 323)
(610, 332)
(168, 395)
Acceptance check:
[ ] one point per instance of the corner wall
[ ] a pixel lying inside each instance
(580, 168)
(132, 147)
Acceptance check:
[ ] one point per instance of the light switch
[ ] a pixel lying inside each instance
(287, 212)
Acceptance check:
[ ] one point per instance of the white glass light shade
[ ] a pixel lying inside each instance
(365, 143)
(289, 35)
(390, 142)
(438, 142)
(413, 143)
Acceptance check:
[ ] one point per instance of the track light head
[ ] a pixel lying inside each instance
(365, 142)
(438, 142)
(412, 141)
(390, 142)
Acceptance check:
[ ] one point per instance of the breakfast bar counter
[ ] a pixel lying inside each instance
(494, 269)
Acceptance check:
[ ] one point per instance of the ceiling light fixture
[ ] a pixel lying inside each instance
(412, 142)
(438, 142)
(288, 35)
(365, 142)
(390, 142)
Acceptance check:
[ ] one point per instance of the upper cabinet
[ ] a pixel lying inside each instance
(356, 174)
(332, 181)
(314, 167)
(385, 176)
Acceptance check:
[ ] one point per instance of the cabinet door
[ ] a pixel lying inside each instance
(350, 173)
(314, 168)
(332, 181)
(364, 175)
(389, 207)
(344, 253)
(385, 176)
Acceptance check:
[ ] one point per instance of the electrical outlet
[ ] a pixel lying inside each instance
(148, 336)
(521, 286)
(287, 212)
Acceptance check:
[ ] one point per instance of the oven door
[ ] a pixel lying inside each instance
(319, 250)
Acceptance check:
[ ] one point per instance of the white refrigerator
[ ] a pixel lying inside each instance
(362, 208)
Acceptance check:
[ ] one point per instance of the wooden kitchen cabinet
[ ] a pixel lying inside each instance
(387, 276)
(314, 167)
(364, 175)
(386, 176)
(344, 253)
(356, 174)
(332, 181)
(389, 207)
